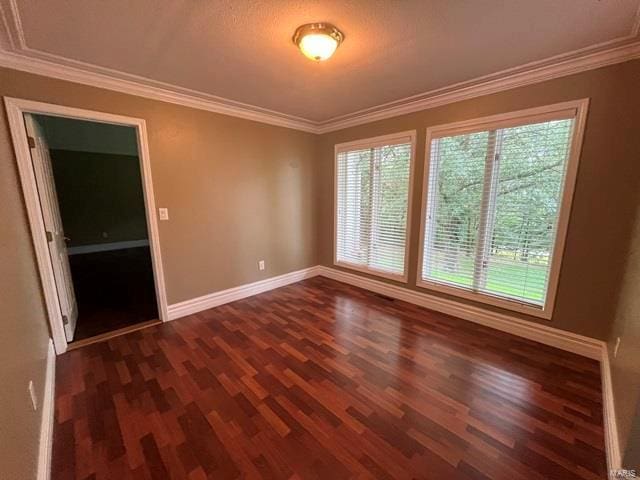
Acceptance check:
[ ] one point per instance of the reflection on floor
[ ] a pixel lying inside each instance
(114, 289)
(321, 380)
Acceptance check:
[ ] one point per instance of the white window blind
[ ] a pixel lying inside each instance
(494, 201)
(372, 204)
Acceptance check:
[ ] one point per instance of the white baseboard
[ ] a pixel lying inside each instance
(611, 440)
(571, 342)
(106, 247)
(579, 344)
(48, 412)
(188, 307)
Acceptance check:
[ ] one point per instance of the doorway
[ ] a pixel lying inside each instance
(87, 185)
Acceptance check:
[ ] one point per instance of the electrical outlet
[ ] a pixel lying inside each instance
(32, 393)
(164, 213)
(261, 265)
(616, 347)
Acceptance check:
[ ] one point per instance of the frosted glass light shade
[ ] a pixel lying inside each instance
(318, 41)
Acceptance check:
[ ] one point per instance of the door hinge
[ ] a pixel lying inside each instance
(65, 320)
(32, 142)
(49, 236)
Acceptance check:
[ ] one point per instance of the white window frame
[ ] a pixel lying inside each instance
(408, 136)
(532, 115)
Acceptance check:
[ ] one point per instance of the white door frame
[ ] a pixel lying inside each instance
(16, 108)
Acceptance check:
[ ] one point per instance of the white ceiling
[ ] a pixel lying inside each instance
(242, 50)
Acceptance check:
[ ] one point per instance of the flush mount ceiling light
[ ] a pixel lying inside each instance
(318, 41)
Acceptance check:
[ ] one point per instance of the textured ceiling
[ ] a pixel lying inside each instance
(242, 49)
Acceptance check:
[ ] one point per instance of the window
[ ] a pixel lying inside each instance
(373, 181)
(498, 197)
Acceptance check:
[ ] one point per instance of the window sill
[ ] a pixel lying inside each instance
(377, 273)
(511, 305)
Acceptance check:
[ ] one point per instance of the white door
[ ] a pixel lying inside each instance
(53, 224)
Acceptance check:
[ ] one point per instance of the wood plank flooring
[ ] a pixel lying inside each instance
(320, 380)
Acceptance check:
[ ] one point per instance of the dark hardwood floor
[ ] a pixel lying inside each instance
(323, 380)
(114, 289)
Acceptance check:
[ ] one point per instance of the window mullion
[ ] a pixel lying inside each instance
(487, 209)
(343, 190)
(366, 237)
(375, 199)
(432, 208)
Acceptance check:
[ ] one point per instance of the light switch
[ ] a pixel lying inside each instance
(164, 213)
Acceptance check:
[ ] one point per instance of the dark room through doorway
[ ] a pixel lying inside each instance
(90, 187)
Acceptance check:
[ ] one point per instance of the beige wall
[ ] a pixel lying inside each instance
(25, 335)
(237, 192)
(625, 367)
(608, 179)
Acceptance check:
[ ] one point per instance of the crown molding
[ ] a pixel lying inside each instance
(6, 39)
(18, 56)
(15, 54)
(133, 85)
(18, 39)
(527, 75)
(506, 80)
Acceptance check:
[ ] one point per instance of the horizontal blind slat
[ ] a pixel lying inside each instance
(372, 201)
(523, 188)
